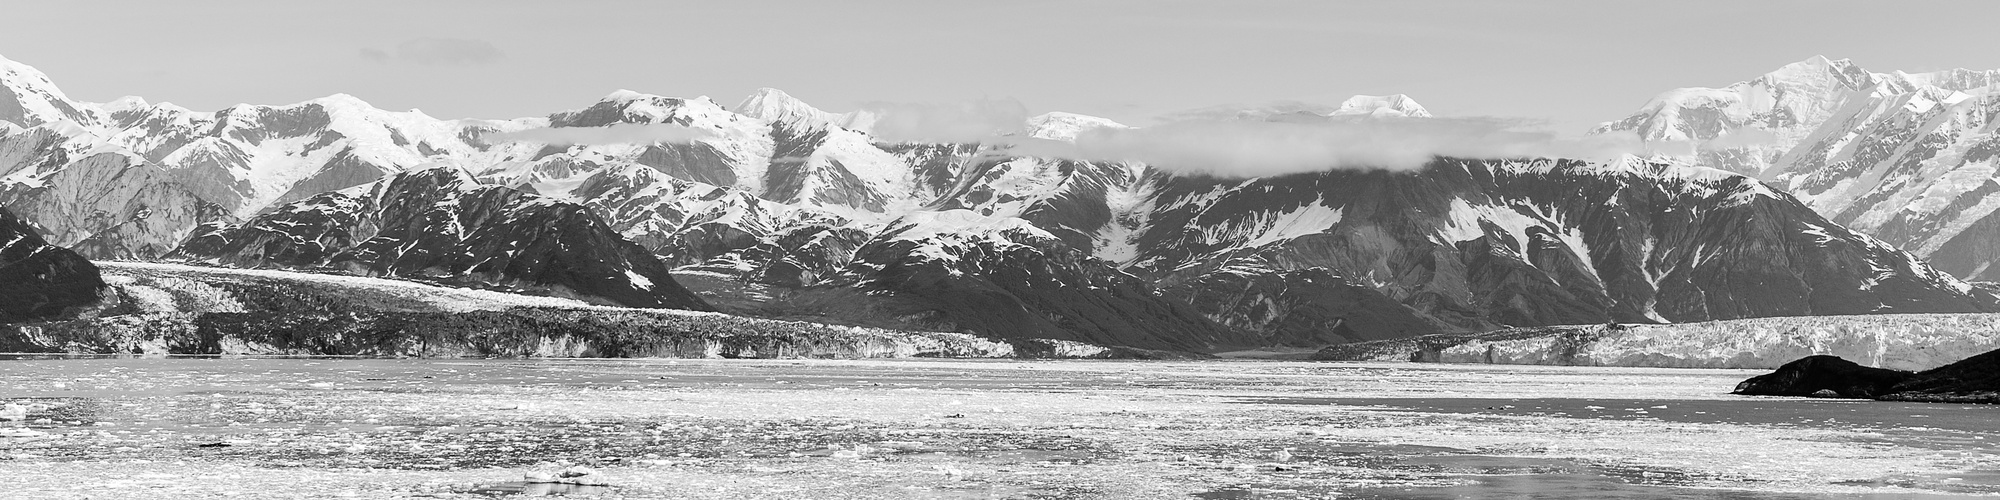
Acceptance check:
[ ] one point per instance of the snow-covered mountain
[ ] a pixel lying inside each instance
(781, 209)
(1908, 158)
(440, 224)
(1471, 244)
(1383, 105)
(129, 178)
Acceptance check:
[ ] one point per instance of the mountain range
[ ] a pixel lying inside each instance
(784, 210)
(1908, 158)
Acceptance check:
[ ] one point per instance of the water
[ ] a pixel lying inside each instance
(965, 429)
(522, 488)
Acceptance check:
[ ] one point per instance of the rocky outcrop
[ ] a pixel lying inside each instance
(1823, 376)
(1972, 380)
(440, 224)
(39, 281)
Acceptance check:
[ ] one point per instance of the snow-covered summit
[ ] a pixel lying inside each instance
(1906, 157)
(776, 106)
(28, 98)
(1382, 105)
(1066, 126)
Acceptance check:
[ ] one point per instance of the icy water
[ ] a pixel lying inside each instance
(379, 428)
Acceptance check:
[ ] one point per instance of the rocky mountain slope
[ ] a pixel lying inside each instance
(780, 209)
(440, 224)
(1908, 158)
(38, 280)
(1471, 245)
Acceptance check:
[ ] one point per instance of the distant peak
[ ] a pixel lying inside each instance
(624, 95)
(1062, 126)
(127, 103)
(775, 105)
(1813, 66)
(342, 101)
(35, 99)
(1382, 105)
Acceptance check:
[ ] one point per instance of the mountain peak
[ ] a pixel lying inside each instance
(343, 101)
(1382, 105)
(627, 95)
(1820, 71)
(1062, 126)
(776, 106)
(35, 99)
(125, 104)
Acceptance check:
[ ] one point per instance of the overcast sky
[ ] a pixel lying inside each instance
(1571, 63)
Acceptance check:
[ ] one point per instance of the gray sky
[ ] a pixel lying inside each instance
(1573, 63)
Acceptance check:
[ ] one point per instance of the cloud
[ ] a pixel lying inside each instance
(970, 121)
(1248, 111)
(1302, 143)
(438, 52)
(377, 55)
(624, 133)
(1279, 138)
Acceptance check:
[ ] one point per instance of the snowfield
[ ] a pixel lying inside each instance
(388, 293)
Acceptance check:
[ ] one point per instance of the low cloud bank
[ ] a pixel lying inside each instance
(1296, 139)
(1211, 142)
(625, 133)
(1249, 148)
(971, 121)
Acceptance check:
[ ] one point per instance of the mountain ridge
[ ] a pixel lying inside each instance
(804, 214)
(1906, 157)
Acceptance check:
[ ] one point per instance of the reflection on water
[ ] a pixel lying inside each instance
(1466, 476)
(538, 489)
(33, 356)
(1929, 425)
(1961, 429)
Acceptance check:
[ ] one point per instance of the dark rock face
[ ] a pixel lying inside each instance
(37, 280)
(1303, 308)
(1972, 380)
(105, 205)
(1020, 282)
(1477, 245)
(440, 224)
(1814, 375)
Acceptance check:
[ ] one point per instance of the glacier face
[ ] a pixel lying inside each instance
(784, 210)
(1908, 158)
(1910, 342)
